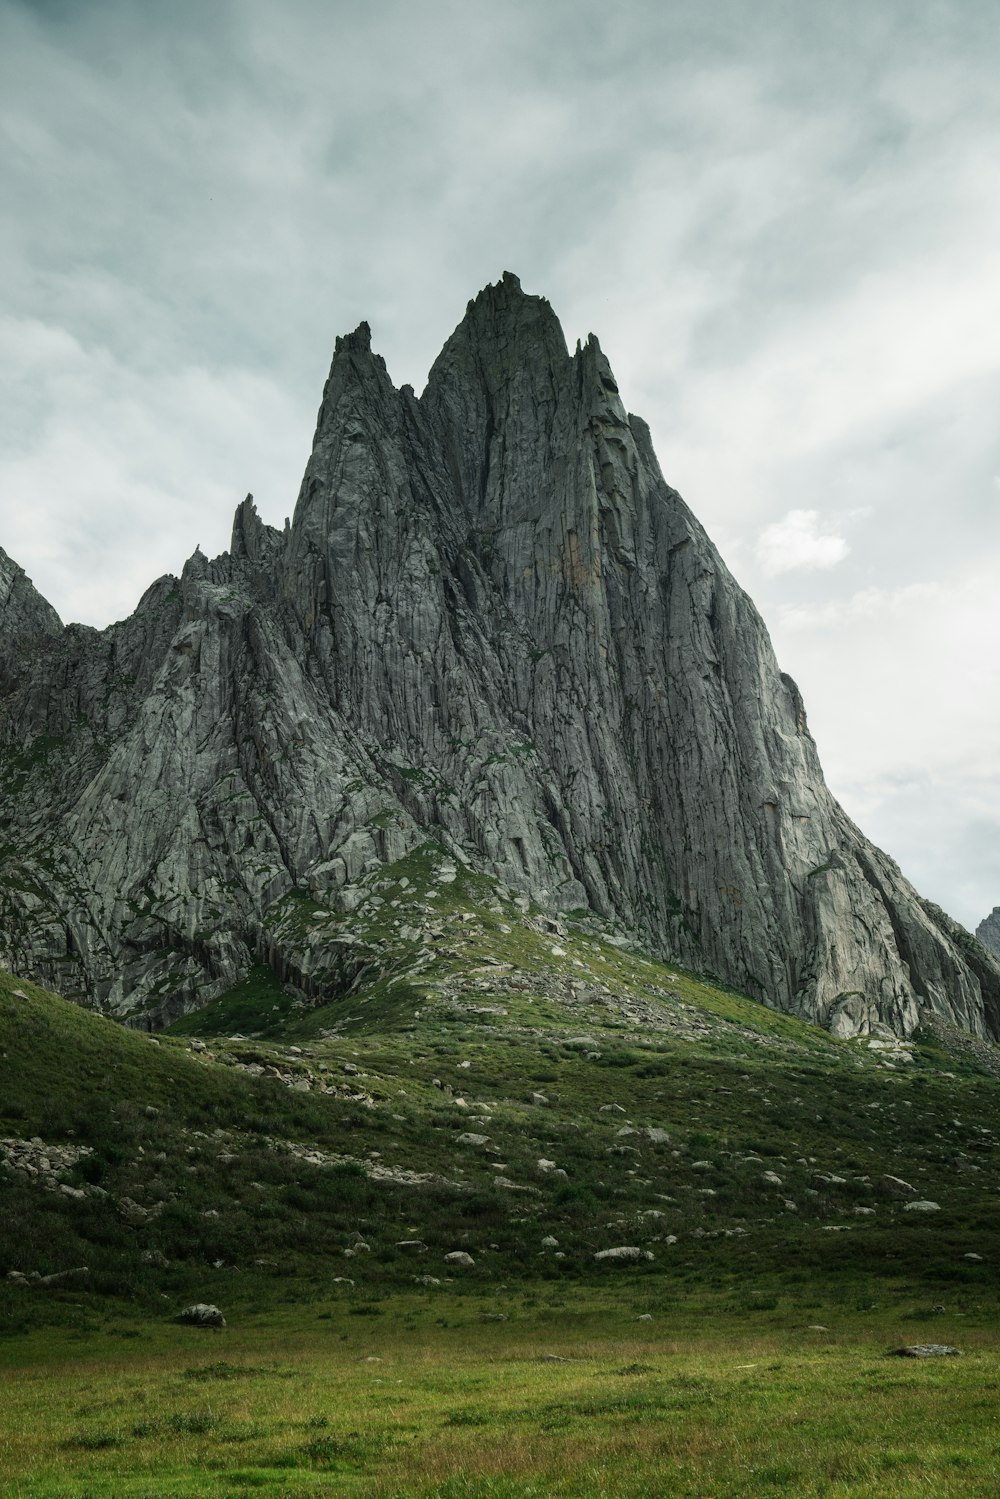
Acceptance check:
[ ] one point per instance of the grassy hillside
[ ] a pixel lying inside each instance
(496, 1081)
(526, 1096)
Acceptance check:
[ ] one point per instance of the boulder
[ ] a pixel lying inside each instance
(624, 1253)
(201, 1314)
(895, 1186)
(926, 1350)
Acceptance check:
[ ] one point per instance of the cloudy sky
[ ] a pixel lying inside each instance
(781, 219)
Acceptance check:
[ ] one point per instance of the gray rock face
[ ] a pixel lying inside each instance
(25, 619)
(988, 931)
(490, 621)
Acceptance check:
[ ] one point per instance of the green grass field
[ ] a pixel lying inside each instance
(569, 1395)
(529, 1097)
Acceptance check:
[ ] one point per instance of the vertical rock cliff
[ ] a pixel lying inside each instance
(988, 931)
(492, 622)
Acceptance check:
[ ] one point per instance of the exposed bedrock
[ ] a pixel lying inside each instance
(490, 621)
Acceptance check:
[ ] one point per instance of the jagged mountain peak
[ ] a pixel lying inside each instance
(358, 342)
(506, 336)
(22, 607)
(252, 540)
(506, 296)
(25, 617)
(988, 931)
(491, 625)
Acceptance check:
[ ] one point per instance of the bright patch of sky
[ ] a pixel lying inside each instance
(782, 220)
(798, 542)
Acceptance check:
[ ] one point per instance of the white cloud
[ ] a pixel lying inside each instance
(798, 544)
(866, 604)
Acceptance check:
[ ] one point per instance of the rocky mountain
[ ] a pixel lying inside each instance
(490, 622)
(25, 618)
(988, 931)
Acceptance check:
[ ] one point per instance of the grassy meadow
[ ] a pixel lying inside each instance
(570, 1395)
(526, 1094)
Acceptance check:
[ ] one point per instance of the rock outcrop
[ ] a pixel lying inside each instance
(25, 619)
(988, 931)
(492, 622)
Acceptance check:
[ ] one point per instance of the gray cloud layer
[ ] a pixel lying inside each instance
(782, 220)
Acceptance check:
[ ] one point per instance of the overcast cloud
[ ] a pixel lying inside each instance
(782, 220)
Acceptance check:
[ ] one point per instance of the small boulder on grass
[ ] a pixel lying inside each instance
(895, 1186)
(926, 1350)
(624, 1252)
(201, 1314)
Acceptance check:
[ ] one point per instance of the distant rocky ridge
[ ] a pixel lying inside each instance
(988, 931)
(490, 622)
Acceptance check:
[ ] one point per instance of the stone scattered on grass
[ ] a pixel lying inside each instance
(624, 1252)
(44, 1164)
(895, 1186)
(202, 1314)
(922, 1205)
(18, 1277)
(459, 1257)
(133, 1213)
(926, 1350)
